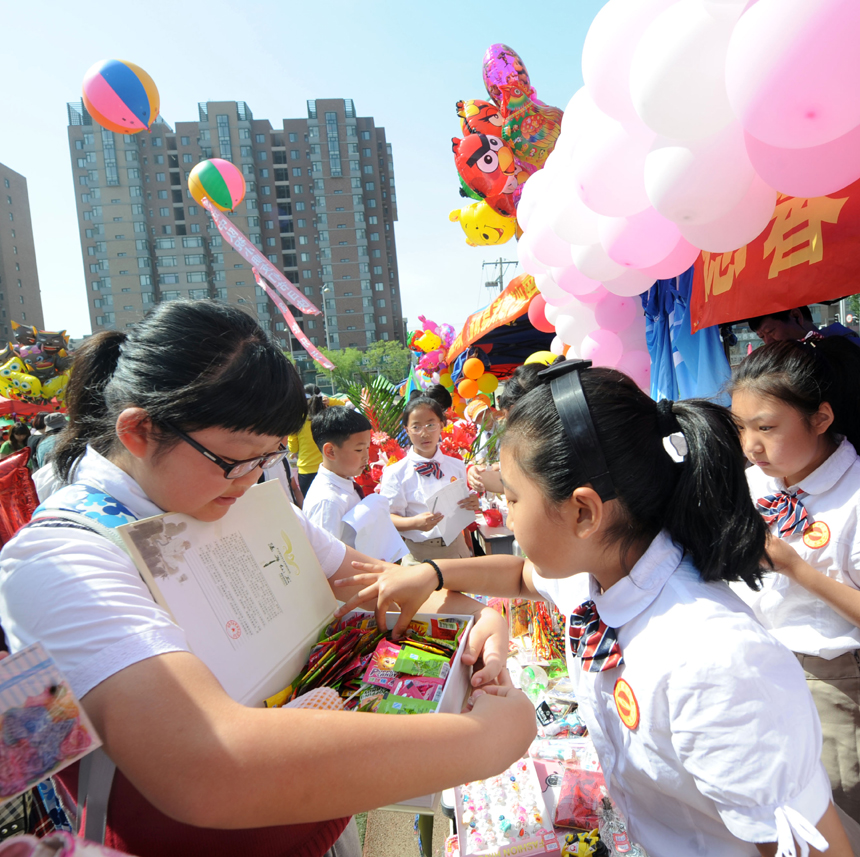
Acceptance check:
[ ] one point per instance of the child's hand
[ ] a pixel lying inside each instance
(487, 649)
(508, 713)
(474, 477)
(390, 587)
(472, 503)
(783, 556)
(426, 521)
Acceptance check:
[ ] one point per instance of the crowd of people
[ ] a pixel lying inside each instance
(706, 560)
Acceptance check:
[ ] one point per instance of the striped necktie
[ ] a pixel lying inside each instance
(786, 511)
(592, 641)
(429, 468)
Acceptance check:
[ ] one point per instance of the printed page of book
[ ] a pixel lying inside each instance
(43, 726)
(445, 501)
(247, 589)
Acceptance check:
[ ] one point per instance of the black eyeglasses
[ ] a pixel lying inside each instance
(235, 469)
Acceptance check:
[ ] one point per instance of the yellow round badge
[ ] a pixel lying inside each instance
(626, 704)
(817, 535)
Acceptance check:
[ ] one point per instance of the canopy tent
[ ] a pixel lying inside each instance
(502, 330)
(806, 254)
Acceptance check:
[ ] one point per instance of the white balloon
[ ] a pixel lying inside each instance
(552, 313)
(677, 77)
(630, 283)
(740, 226)
(726, 10)
(527, 259)
(574, 221)
(579, 115)
(556, 346)
(573, 326)
(608, 165)
(532, 195)
(608, 50)
(552, 293)
(700, 180)
(591, 260)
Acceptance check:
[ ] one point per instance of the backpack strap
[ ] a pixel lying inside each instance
(96, 771)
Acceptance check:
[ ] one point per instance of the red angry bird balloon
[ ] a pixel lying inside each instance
(480, 117)
(485, 164)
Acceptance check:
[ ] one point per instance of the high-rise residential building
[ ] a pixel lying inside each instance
(20, 298)
(320, 204)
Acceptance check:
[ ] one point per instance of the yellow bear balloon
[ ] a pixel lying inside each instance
(482, 225)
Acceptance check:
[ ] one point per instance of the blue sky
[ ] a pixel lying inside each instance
(402, 64)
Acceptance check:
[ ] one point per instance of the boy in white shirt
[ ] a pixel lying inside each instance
(343, 437)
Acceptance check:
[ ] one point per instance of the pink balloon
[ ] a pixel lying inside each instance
(631, 282)
(793, 71)
(537, 315)
(638, 241)
(552, 294)
(608, 50)
(616, 313)
(817, 171)
(548, 248)
(572, 281)
(602, 348)
(681, 257)
(633, 338)
(608, 167)
(636, 365)
(593, 297)
(740, 226)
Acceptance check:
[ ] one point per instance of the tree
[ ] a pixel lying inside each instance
(347, 363)
(389, 359)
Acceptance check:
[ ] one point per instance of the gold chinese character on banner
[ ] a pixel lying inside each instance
(795, 236)
(720, 270)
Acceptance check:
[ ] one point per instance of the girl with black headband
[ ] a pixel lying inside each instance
(798, 407)
(634, 516)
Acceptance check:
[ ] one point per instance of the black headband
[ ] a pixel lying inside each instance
(572, 407)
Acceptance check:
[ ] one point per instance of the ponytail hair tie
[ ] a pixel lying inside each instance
(667, 422)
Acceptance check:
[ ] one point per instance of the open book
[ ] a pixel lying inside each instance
(247, 589)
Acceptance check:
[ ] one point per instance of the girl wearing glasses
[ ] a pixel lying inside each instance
(411, 482)
(180, 415)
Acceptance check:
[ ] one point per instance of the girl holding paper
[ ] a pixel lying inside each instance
(181, 414)
(411, 483)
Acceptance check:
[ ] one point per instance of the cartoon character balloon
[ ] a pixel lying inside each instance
(483, 225)
(120, 96)
(531, 128)
(36, 367)
(218, 181)
(503, 65)
(487, 166)
(480, 117)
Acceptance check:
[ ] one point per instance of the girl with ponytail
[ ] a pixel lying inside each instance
(181, 415)
(798, 408)
(634, 516)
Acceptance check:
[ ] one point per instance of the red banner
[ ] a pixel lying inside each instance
(806, 254)
(292, 323)
(510, 304)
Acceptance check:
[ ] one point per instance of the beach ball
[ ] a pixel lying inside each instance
(219, 181)
(120, 96)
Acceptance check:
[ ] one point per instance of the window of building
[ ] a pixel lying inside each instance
(306, 275)
(196, 259)
(196, 277)
(162, 194)
(377, 269)
(185, 141)
(370, 203)
(166, 261)
(244, 133)
(297, 172)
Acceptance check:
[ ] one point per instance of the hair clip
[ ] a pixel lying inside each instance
(675, 445)
(572, 407)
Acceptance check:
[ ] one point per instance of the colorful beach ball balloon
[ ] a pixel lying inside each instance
(219, 181)
(121, 96)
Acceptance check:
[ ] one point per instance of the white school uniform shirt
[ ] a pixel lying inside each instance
(328, 499)
(82, 596)
(406, 490)
(728, 735)
(795, 616)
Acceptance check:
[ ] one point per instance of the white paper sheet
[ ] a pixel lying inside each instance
(446, 501)
(375, 535)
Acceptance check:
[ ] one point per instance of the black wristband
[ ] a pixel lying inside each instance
(438, 573)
